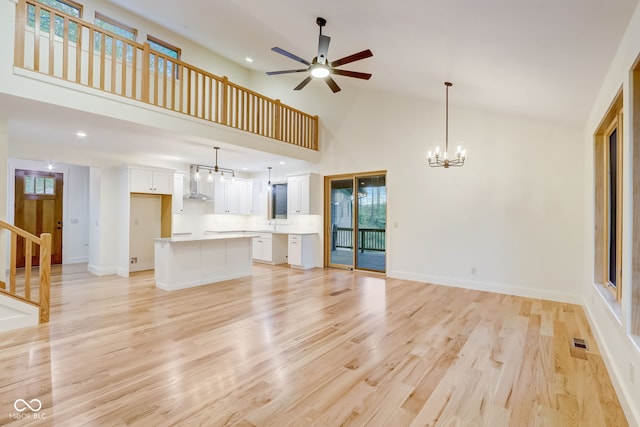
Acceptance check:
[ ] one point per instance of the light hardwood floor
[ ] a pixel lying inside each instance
(302, 348)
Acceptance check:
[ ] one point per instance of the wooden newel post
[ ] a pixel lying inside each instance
(276, 117)
(225, 100)
(45, 276)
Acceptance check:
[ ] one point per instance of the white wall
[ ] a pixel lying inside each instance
(510, 212)
(620, 348)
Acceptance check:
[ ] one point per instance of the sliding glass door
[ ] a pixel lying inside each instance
(355, 219)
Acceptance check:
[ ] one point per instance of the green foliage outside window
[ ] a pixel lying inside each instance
(161, 61)
(45, 18)
(120, 46)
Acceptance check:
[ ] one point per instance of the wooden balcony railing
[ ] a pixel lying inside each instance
(33, 246)
(54, 43)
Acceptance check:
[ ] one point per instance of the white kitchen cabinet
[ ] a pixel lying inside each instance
(244, 191)
(233, 197)
(225, 199)
(270, 248)
(177, 201)
(150, 181)
(302, 195)
(301, 249)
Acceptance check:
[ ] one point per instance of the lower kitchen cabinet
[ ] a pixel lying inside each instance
(302, 250)
(270, 248)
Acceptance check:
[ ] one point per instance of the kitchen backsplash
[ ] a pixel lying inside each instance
(197, 218)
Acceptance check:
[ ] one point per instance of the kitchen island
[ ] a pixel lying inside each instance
(186, 261)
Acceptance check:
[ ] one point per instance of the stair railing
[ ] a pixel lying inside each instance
(43, 247)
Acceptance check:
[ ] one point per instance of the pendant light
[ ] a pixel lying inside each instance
(441, 160)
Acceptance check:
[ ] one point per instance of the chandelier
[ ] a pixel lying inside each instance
(440, 160)
(215, 169)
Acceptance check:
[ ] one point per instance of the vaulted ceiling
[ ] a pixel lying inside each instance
(540, 58)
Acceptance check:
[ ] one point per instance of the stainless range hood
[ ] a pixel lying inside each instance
(194, 186)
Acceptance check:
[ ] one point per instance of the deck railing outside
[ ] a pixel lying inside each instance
(33, 246)
(80, 52)
(369, 239)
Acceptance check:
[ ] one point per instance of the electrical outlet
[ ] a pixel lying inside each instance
(134, 260)
(632, 373)
(473, 271)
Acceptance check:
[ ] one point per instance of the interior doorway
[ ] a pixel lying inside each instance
(38, 209)
(356, 221)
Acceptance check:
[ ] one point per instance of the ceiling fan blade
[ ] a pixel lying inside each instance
(323, 48)
(303, 83)
(357, 75)
(352, 58)
(290, 55)
(332, 84)
(273, 73)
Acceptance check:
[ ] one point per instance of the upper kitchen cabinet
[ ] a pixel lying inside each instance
(150, 181)
(302, 195)
(234, 197)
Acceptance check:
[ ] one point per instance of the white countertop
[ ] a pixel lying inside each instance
(188, 238)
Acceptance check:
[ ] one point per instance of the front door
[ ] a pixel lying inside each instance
(38, 209)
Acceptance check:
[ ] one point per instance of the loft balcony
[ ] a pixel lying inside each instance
(82, 53)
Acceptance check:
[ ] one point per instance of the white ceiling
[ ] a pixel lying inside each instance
(536, 58)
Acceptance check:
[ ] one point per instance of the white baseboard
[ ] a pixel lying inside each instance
(625, 396)
(100, 271)
(75, 260)
(489, 287)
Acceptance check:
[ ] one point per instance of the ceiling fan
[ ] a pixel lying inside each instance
(320, 67)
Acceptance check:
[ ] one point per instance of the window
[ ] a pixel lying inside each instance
(278, 201)
(119, 29)
(67, 6)
(39, 185)
(165, 49)
(608, 198)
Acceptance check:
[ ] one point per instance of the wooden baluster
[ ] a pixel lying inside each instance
(114, 61)
(52, 39)
(79, 31)
(65, 48)
(28, 253)
(165, 83)
(210, 118)
(12, 263)
(91, 48)
(134, 72)
(225, 100)
(123, 60)
(103, 60)
(36, 39)
(276, 120)
(315, 132)
(156, 74)
(45, 276)
(21, 22)
(146, 70)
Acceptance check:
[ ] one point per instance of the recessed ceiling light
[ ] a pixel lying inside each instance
(81, 134)
(248, 59)
(282, 163)
(244, 169)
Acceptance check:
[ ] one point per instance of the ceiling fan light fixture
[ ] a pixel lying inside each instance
(320, 71)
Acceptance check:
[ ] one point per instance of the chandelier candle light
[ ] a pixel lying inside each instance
(438, 159)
